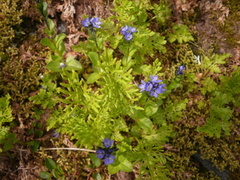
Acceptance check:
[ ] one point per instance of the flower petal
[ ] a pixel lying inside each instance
(100, 153)
(109, 159)
(108, 142)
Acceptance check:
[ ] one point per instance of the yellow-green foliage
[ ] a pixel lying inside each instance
(5, 116)
(9, 17)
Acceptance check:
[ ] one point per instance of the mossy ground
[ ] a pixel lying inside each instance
(215, 28)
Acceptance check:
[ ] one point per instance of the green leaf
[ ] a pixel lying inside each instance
(181, 34)
(95, 160)
(220, 58)
(42, 7)
(125, 165)
(56, 58)
(150, 108)
(96, 176)
(51, 27)
(34, 145)
(145, 123)
(7, 140)
(59, 39)
(54, 66)
(171, 38)
(45, 175)
(47, 42)
(56, 173)
(112, 169)
(50, 164)
(38, 133)
(174, 84)
(73, 64)
(162, 12)
(209, 85)
(137, 114)
(159, 102)
(93, 78)
(94, 58)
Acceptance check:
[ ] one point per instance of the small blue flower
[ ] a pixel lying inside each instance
(127, 32)
(180, 69)
(100, 153)
(154, 79)
(128, 29)
(106, 153)
(152, 87)
(128, 36)
(86, 22)
(55, 134)
(108, 142)
(91, 23)
(109, 159)
(142, 86)
(62, 65)
(95, 22)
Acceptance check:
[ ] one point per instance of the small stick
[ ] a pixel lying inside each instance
(71, 149)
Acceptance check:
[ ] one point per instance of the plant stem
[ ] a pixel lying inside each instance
(70, 149)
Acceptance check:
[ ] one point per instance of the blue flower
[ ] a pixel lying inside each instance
(128, 29)
(106, 153)
(55, 133)
(108, 142)
(127, 32)
(157, 89)
(152, 87)
(100, 153)
(180, 69)
(91, 23)
(145, 86)
(154, 79)
(109, 159)
(62, 65)
(128, 36)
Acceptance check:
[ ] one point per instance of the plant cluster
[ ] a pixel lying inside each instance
(5, 118)
(110, 101)
(106, 153)
(121, 99)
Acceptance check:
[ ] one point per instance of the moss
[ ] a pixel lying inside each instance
(72, 163)
(222, 152)
(232, 23)
(10, 16)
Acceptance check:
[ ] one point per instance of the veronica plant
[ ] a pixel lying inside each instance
(127, 32)
(152, 87)
(106, 101)
(91, 23)
(106, 153)
(180, 70)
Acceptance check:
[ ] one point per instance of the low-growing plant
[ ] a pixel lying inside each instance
(224, 99)
(7, 139)
(55, 170)
(123, 101)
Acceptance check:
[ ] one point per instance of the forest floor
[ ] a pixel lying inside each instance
(215, 25)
